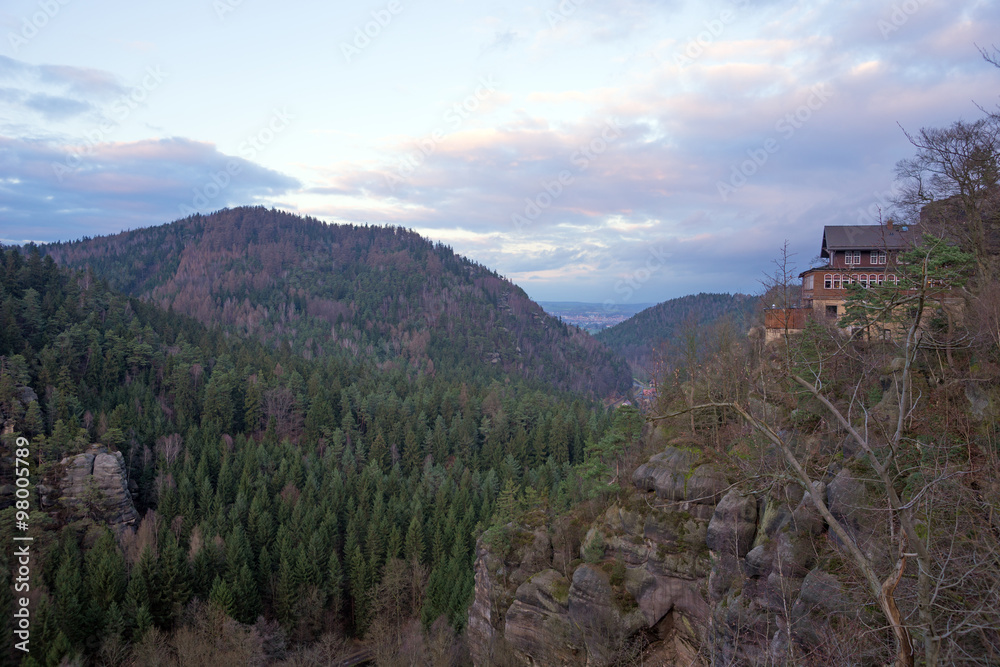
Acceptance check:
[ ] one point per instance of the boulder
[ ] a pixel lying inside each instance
(758, 560)
(706, 485)
(821, 591)
(725, 577)
(659, 595)
(733, 524)
(845, 498)
(980, 405)
(820, 596)
(794, 556)
(806, 518)
(666, 473)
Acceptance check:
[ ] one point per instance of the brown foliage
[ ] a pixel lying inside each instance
(208, 637)
(135, 541)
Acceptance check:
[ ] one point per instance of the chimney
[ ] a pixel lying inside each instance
(888, 224)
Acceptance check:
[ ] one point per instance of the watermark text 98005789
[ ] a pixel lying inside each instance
(21, 563)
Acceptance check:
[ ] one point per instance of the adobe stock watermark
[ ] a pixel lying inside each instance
(21, 560)
(713, 30)
(898, 16)
(553, 189)
(455, 116)
(224, 7)
(628, 286)
(32, 25)
(363, 35)
(562, 12)
(248, 149)
(121, 109)
(786, 127)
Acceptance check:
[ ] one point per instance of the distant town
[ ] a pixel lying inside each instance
(592, 317)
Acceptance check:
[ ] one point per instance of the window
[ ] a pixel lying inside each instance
(808, 284)
(881, 278)
(836, 281)
(852, 257)
(831, 311)
(863, 279)
(893, 279)
(828, 281)
(878, 257)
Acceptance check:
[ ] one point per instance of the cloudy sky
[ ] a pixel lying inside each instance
(630, 151)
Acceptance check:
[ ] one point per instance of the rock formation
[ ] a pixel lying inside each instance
(95, 484)
(684, 567)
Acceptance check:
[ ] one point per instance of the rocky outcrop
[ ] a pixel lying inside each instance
(692, 569)
(95, 484)
(539, 625)
(506, 557)
(776, 603)
(733, 525)
(642, 570)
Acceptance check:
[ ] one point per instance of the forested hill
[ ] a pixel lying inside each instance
(368, 293)
(298, 492)
(640, 336)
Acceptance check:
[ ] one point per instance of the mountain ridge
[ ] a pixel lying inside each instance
(380, 293)
(639, 337)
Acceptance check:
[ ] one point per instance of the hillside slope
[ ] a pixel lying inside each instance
(289, 490)
(374, 293)
(640, 336)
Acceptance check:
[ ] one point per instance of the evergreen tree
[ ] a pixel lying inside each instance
(335, 582)
(141, 593)
(222, 597)
(105, 576)
(70, 595)
(414, 548)
(247, 597)
(175, 579)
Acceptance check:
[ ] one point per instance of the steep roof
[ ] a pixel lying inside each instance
(864, 237)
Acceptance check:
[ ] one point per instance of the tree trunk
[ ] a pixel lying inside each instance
(887, 600)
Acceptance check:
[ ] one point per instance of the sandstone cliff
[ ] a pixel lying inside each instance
(684, 569)
(95, 484)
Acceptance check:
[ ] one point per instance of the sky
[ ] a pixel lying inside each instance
(615, 152)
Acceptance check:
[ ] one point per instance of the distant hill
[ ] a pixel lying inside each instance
(373, 293)
(637, 337)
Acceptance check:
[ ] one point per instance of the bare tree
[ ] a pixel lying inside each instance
(933, 572)
(993, 57)
(951, 184)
